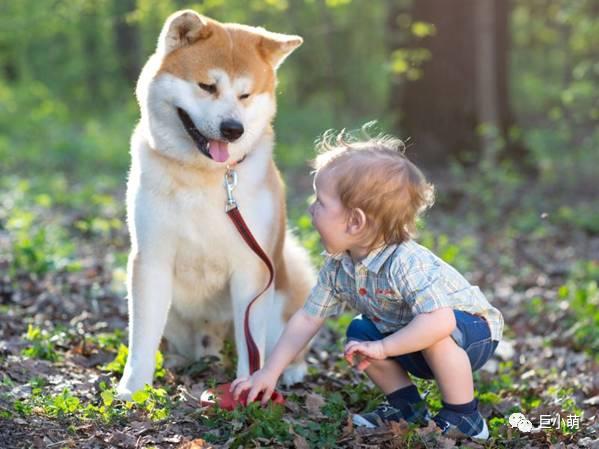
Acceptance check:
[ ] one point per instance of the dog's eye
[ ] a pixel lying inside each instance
(210, 88)
(244, 96)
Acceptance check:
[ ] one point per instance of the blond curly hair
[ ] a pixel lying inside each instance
(374, 175)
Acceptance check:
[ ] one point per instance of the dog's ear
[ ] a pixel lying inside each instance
(276, 47)
(182, 28)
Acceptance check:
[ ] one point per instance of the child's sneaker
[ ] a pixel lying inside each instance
(472, 425)
(385, 413)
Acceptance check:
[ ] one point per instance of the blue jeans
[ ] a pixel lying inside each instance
(472, 334)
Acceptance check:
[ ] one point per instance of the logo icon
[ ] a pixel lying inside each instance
(519, 420)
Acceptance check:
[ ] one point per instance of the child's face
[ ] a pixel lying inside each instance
(329, 217)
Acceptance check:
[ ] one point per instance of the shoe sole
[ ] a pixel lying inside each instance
(362, 422)
(359, 421)
(483, 434)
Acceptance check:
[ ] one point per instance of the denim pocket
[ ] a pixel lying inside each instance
(479, 352)
(472, 327)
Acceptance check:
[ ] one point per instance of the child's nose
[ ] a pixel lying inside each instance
(310, 209)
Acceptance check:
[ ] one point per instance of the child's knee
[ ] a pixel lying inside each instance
(444, 346)
(362, 329)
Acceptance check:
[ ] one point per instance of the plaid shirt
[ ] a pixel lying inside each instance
(395, 283)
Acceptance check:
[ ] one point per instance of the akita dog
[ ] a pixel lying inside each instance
(207, 100)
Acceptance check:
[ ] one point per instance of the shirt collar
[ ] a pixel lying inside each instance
(373, 261)
(377, 257)
(337, 256)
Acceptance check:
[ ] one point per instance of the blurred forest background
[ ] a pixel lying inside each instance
(465, 80)
(499, 100)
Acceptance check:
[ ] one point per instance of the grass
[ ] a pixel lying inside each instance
(118, 364)
(577, 300)
(41, 345)
(244, 425)
(155, 403)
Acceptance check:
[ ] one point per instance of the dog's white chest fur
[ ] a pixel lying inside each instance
(207, 247)
(208, 251)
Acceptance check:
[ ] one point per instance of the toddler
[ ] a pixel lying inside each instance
(417, 315)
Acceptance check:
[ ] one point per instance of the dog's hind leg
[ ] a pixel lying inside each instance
(178, 340)
(150, 290)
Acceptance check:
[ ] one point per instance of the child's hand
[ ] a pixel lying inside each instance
(260, 381)
(367, 351)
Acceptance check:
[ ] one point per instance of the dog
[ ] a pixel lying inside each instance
(207, 101)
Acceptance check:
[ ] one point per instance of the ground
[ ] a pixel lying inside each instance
(63, 330)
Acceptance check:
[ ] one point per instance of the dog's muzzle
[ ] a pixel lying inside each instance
(198, 138)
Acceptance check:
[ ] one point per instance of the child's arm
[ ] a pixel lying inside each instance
(423, 331)
(298, 332)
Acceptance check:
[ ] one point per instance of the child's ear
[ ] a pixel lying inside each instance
(357, 221)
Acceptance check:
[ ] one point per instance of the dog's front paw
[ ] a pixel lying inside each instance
(125, 389)
(123, 393)
(294, 374)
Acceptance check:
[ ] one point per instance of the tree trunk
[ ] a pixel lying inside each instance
(463, 85)
(127, 41)
(514, 148)
(394, 39)
(485, 80)
(9, 67)
(89, 32)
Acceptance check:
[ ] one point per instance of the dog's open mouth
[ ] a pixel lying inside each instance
(214, 149)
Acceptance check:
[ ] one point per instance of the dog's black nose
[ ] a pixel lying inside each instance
(231, 130)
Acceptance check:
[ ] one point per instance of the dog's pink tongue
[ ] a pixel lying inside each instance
(218, 150)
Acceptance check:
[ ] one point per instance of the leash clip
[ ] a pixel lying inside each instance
(230, 184)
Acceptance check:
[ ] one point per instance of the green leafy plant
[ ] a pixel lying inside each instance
(309, 237)
(583, 301)
(109, 341)
(583, 216)
(459, 254)
(59, 405)
(245, 424)
(42, 346)
(326, 432)
(38, 249)
(578, 302)
(361, 396)
(155, 401)
(64, 403)
(118, 364)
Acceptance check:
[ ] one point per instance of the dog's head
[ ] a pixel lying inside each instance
(208, 93)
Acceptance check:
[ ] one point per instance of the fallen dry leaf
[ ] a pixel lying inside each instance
(314, 402)
(299, 442)
(446, 443)
(399, 428)
(198, 443)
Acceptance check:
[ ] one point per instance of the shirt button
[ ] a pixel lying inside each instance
(362, 291)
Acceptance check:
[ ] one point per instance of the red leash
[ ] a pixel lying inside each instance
(222, 397)
(238, 221)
